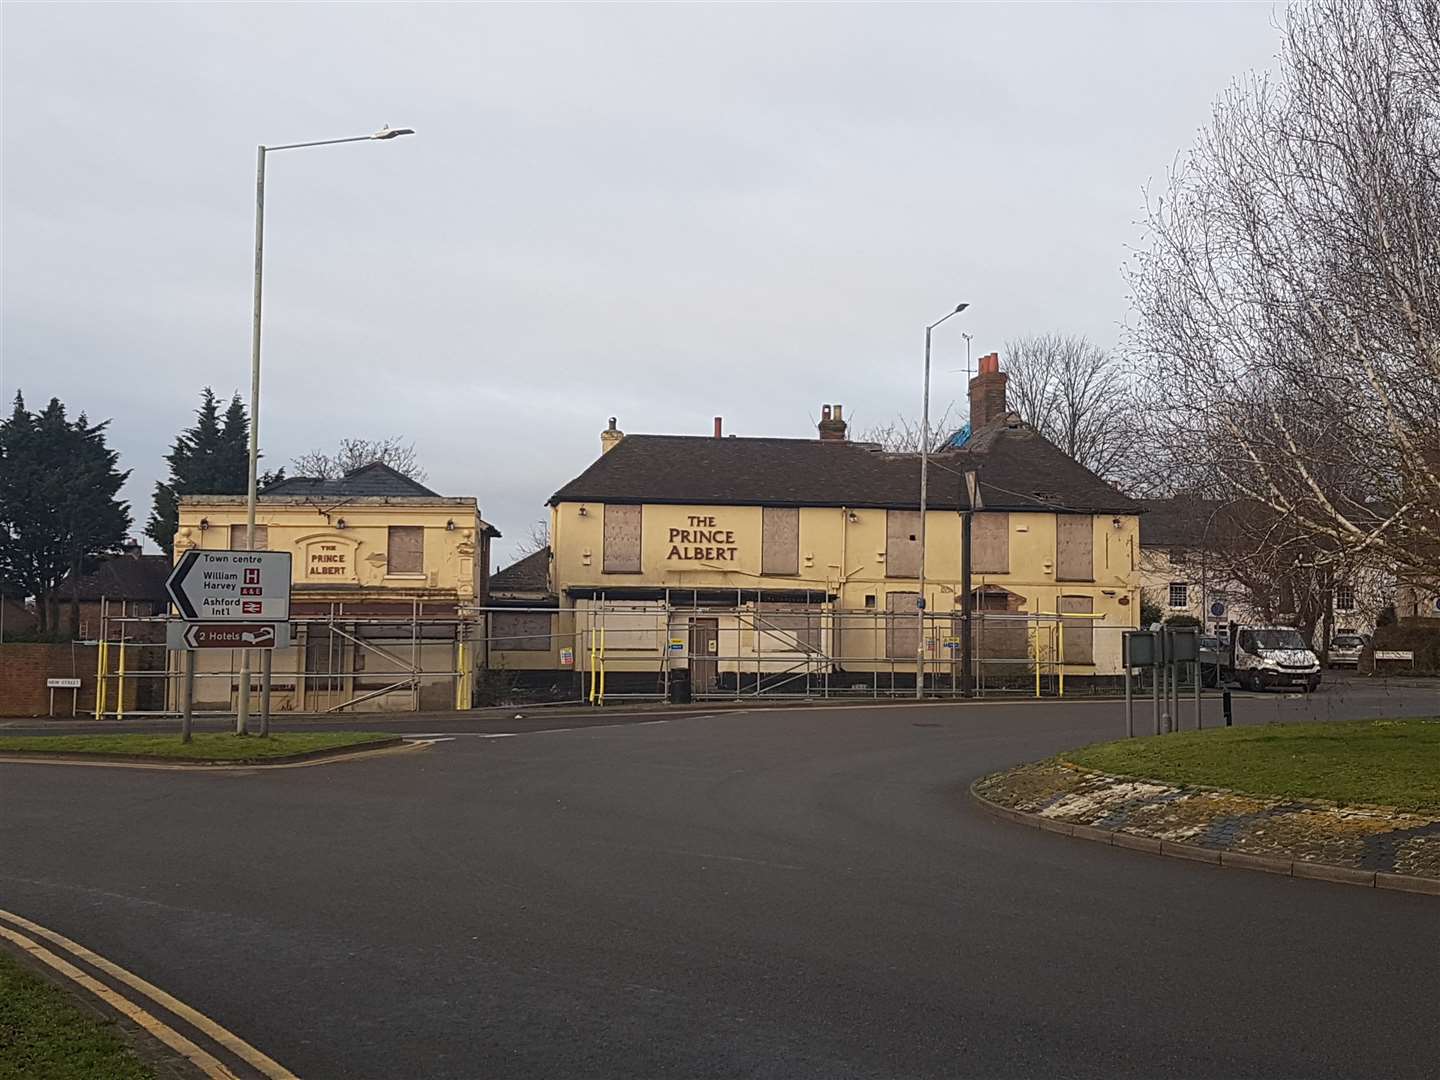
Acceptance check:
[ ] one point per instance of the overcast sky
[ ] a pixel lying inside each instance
(660, 213)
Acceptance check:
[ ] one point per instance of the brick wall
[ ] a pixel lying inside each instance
(24, 667)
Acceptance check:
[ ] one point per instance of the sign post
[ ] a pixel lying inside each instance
(229, 600)
(73, 685)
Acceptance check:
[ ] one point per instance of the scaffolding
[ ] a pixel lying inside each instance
(339, 660)
(603, 651)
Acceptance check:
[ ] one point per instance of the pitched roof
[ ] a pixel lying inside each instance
(1186, 521)
(530, 574)
(124, 577)
(1019, 470)
(377, 478)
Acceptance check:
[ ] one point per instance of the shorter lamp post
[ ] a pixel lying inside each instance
(924, 491)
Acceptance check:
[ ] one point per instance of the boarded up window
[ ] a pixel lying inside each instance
(990, 543)
(788, 628)
(237, 538)
(622, 539)
(639, 630)
(780, 541)
(995, 637)
(901, 626)
(902, 544)
(405, 551)
(1074, 547)
(1079, 633)
(527, 631)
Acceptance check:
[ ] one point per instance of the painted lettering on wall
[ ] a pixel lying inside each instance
(702, 540)
(327, 560)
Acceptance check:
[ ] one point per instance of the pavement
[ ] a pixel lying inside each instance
(759, 893)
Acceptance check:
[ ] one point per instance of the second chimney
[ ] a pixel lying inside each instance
(719, 425)
(832, 423)
(987, 392)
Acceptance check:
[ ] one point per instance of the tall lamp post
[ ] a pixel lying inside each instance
(924, 490)
(242, 713)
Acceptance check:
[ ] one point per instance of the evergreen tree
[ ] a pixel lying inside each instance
(209, 458)
(58, 506)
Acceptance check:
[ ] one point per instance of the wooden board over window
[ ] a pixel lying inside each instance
(990, 542)
(780, 541)
(527, 631)
(902, 630)
(622, 539)
(902, 543)
(405, 551)
(1079, 633)
(787, 628)
(1074, 547)
(237, 538)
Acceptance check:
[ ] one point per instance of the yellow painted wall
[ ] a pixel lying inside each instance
(847, 558)
(323, 554)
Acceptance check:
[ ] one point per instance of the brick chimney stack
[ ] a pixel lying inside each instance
(610, 437)
(832, 424)
(987, 393)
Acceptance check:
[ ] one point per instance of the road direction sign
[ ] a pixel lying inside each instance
(232, 586)
(198, 635)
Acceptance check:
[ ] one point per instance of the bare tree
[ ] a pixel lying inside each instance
(1075, 394)
(902, 435)
(354, 454)
(1288, 315)
(537, 539)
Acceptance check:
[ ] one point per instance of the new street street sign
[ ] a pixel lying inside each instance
(232, 586)
(199, 635)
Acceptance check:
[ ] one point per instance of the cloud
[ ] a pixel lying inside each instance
(661, 213)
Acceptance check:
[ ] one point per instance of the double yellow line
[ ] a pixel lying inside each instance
(11, 927)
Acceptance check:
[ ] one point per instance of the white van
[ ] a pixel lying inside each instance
(1260, 657)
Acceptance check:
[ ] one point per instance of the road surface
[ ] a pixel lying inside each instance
(770, 893)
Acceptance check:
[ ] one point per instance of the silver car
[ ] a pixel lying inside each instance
(1345, 650)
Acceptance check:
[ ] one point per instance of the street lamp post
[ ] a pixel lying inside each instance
(924, 490)
(242, 712)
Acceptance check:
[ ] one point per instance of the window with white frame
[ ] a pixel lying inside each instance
(1179, 594)
(1344, 598)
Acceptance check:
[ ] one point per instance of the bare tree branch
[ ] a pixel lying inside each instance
(354, 454)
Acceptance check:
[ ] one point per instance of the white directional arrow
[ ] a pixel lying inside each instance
(231, 586)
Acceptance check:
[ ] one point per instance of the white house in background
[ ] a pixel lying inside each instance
(1179, 577)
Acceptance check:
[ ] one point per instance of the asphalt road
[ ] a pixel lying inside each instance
(781, 893)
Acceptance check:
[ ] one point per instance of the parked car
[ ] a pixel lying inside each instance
(1265, 656)
(1345, 650)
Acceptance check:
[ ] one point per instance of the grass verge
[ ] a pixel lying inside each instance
(43, 1034)
(1380, 762)
(204, 746)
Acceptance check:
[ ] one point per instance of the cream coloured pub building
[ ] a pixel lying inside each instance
(794, 564)
(386, 579)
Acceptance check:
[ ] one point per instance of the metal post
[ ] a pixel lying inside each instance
(924, 481)
(242, 711)
(1196, 689)
(1164, 680)
(1225, 705)
(267, 657)
(967, 610)
(1129, 714)
(1155, 676)
(187, 694)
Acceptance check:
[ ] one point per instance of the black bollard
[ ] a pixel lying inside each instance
(1226, 703)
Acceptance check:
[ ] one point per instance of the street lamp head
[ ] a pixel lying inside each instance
(960, 307)
(387, 132)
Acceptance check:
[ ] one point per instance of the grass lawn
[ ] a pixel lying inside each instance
(1384, 762)
(204, 746)
(44, 1036)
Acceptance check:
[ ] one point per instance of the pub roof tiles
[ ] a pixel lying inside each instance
(1019, 470)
